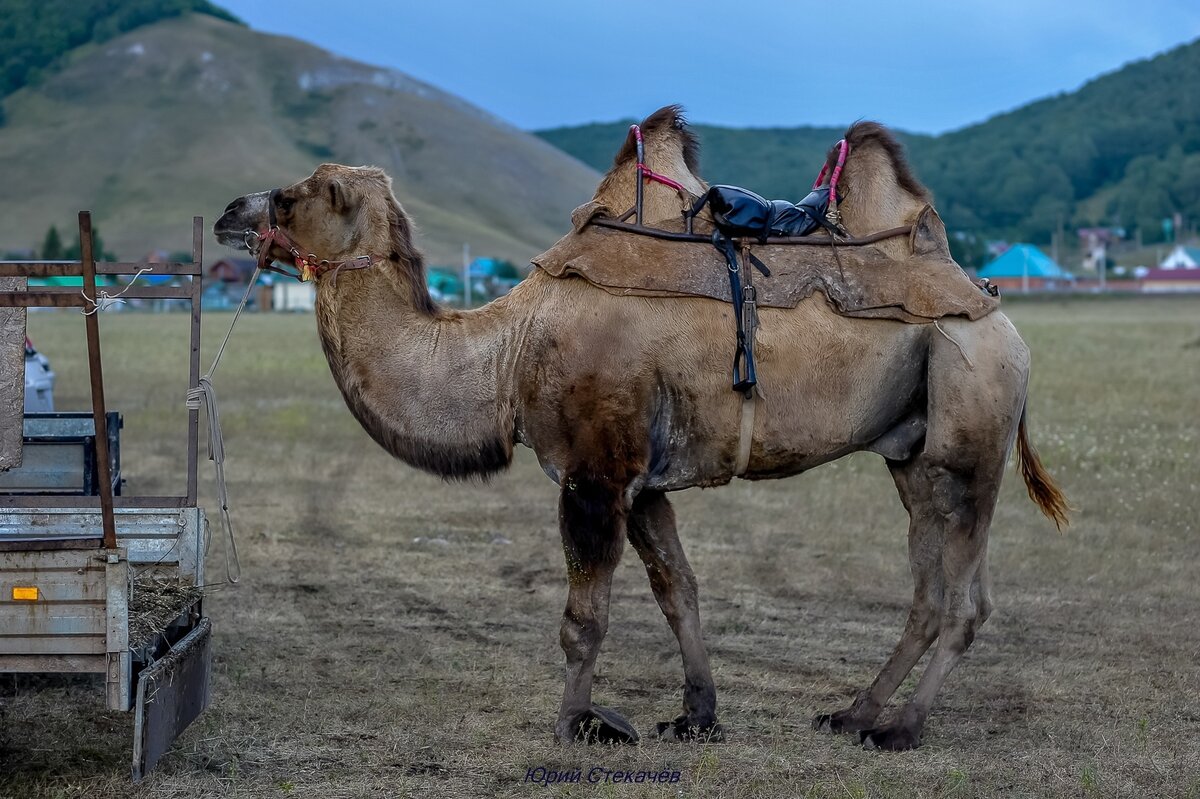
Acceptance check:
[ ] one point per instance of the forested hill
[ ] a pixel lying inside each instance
(1122, 150)
(34, 34)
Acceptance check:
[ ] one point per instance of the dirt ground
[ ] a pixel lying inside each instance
(394, 635)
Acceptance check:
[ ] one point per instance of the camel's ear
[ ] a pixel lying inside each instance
(339, 199)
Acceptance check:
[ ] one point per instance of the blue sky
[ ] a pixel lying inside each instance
(923, 66)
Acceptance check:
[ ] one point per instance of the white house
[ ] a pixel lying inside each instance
(1182, 258)
(289, 295)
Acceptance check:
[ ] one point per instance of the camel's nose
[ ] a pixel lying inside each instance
(236, 205)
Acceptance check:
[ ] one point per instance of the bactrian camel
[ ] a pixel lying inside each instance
(624, 399)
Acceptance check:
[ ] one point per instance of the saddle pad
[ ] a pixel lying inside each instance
(859, 281)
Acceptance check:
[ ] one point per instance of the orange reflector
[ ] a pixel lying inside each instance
(26, 592)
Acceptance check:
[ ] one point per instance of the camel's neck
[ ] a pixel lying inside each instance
(435, 389)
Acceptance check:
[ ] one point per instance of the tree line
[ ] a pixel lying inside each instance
(1122, 151)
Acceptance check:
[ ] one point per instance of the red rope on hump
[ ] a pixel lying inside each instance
(663, 179)
(843, 151)
(645, 171)
(837, 170)
(821, 176)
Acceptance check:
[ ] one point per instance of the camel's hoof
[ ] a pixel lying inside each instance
(842, 721)
(602, 725)
(682, 730)
(892, 738)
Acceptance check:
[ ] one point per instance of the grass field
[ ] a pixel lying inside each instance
(394, 635)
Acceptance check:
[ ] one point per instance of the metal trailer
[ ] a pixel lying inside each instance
(71, 564)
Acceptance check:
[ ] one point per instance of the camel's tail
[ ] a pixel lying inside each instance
(1041, 486)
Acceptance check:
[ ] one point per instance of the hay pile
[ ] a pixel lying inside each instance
(156, 602)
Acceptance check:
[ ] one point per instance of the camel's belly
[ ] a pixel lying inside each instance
(829, 386)
(655, 376)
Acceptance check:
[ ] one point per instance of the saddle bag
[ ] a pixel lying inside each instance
(739, 212)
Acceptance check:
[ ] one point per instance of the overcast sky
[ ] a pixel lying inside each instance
(923, 66)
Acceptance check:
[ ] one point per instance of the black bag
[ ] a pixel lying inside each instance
(740, 212)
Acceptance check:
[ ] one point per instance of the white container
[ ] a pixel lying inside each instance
(39, 383)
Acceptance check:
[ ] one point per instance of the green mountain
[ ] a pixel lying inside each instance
(176, 118)
(34, 34)
(1122, 150)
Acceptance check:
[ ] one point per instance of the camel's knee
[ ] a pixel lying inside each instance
(925, 619)
(581, 636)
(983, 604)
(960, 621)
(951, 496)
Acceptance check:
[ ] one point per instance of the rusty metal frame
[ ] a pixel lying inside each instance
(69, 297)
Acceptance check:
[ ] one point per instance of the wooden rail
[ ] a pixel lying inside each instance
(87, 268)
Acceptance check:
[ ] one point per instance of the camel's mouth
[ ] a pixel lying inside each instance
(243, 220)
(237, 238)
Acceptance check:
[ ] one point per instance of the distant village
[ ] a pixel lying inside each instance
(1105, 261)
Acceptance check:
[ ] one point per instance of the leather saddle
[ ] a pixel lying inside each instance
(739, 212)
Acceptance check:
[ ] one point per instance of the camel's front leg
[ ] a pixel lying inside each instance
(592, 523)
(652, 533)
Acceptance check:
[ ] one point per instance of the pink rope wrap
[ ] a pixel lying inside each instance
(663, 179)
(646, 172)
(837, 170)
(843, 151)
(821, 176)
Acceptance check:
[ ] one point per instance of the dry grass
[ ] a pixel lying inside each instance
(155, 603)
(397, 636)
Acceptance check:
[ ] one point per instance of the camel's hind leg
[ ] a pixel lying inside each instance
(926, 533)
(975, 395)
(652, 533)
(965, 500)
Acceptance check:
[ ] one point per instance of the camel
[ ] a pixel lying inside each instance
(625, 399)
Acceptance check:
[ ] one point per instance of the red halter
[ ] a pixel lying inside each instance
(309, 265)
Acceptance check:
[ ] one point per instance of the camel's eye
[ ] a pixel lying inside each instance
(284, 203)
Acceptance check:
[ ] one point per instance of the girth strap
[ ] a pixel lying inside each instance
(745, 313)
(745, 433)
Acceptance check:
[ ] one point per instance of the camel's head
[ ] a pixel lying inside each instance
(672, 150)
(338, 212)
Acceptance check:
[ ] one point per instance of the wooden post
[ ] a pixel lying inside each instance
(194, 363)
(92, 324)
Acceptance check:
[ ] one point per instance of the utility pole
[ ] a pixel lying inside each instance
(466, 275)
(1058, 237)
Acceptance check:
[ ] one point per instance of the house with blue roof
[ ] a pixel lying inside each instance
(1026, 268)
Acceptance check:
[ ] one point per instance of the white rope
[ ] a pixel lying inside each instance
(961, 351)
(206, 394)
(105, 300)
